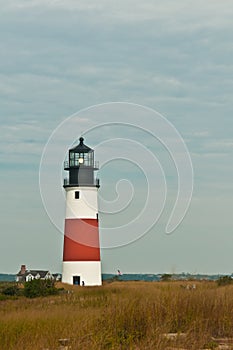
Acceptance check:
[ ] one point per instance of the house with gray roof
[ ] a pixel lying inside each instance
(25, 275)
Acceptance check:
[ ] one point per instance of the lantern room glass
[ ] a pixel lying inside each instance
(81, 158)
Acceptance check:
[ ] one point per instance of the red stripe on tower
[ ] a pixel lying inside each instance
(81, 241)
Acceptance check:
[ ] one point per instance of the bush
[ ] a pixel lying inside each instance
(11, 290)
(38, 287)
(166, 277)
(224, 280)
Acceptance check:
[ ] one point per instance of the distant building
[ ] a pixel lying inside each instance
(25, 275)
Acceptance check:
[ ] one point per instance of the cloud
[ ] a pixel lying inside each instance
(96, 46)
(132, 9)
(201, 134)
(220, 145)
(165, 54)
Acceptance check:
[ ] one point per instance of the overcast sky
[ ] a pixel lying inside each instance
(58, 57)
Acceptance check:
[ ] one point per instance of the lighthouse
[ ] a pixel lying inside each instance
(81, 251)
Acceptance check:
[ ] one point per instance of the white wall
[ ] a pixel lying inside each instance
(89, 272)
(85, 207)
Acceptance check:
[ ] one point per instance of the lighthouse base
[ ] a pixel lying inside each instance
(86, 273)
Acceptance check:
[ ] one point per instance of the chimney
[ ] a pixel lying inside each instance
(23, 269)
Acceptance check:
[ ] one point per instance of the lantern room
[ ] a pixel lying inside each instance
(81, 155)
(81, 166)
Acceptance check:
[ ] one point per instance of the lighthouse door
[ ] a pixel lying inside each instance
(76, 280)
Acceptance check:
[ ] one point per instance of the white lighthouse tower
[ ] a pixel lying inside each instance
(81, 253)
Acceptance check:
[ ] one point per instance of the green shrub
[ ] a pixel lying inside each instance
(224, 280)
(11, 290)
(38, 287)
(166, 277)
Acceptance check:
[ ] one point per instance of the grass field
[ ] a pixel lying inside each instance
(120, 315)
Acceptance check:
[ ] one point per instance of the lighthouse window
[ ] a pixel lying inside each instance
(76, 158)
(76, 194)
(71, 158)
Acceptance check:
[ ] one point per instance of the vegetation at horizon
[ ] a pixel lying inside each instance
(120, 315)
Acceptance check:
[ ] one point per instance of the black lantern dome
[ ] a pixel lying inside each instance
(81, 155)
(81, 166)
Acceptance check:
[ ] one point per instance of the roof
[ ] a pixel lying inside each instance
(42, 273)
(81, 147)
(36, 272)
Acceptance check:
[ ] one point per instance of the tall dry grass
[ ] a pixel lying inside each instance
(120, 315)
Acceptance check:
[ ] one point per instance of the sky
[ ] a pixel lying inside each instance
(63, 67)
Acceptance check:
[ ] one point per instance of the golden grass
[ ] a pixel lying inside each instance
(119, 315)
